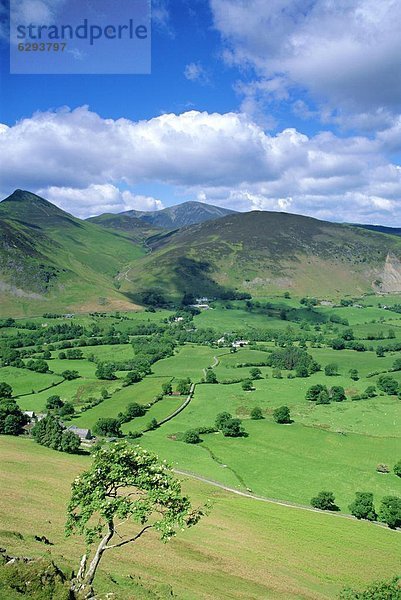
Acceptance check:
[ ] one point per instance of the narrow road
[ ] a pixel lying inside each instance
(272, 500)
(215, 363)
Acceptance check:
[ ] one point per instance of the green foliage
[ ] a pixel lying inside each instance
(397, 468)
(387, 384)
(256, 413)
(126, 484)
(105, 371)
(211, 376)
(50, 432)
(353, 373)
(331, 370)
(247, 385)
(232, 428)
(255, 373)
(153, 424)
(337, 393)
(390, 511)
(167, 388)
(324, 501)
(39, 366)
(191, 437)
(108, 426)
(12, 419)
(66, 410)
(221, 419)
(362, 507)
(381, 590)
(132, 377)
(183, 386)
(70, 375)
(54, 402)
(282, 415)
(6, 391)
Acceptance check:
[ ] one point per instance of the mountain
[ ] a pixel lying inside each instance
(263, 252)
(382, 229)
(137, 229)
(174, 217)
(50, 260)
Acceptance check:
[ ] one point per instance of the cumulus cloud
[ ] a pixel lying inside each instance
(97, 199)
(346, 54)
(82, 162)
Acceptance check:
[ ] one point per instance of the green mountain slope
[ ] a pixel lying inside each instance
(50, 260)
(137, 229)
(261, 252)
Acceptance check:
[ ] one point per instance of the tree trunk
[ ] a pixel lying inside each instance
(90, 573)
(82, 585)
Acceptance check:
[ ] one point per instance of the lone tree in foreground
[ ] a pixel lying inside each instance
(126, 488)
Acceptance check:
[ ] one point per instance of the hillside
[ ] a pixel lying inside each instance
(181, 215)
(261, 252)
(50, 260)
(382, 229)
(137, 229)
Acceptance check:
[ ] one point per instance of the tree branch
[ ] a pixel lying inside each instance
(138, 535)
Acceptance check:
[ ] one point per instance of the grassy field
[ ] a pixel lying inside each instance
(284, 554)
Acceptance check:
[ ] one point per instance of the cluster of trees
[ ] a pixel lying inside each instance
(294, 357)
(229, 425)
(59, 407)
(51, 433)
(322, 395)
(282, 415)
(108, 427)
(12, 419)
(363, 507)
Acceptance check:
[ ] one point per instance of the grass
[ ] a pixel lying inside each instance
(284, 553)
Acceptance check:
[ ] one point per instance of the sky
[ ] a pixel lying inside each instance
(288, 105)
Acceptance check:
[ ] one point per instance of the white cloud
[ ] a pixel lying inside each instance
(346, 54)
(80, 161)
(97, 199)
(196, 72)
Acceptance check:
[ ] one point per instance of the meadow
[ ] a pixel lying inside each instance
(336, 447)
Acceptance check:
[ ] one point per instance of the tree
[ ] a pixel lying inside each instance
(362, 507)
(132, 377)
(125, 484)
(370, 391)
(54, 402)
(313, 392)
(153, 424)
(397, 468)
(191, 437)
(390, 511)
(105, 371)
(232, 428)
(108, 426)
(256, 413)
(396, 365)
(337, 393)
(323, 397)
(379, 351)
(183, 386)
(167, 388)
(66, 410)
(353, 373)
(302, 371)
(331, 370)
(134, 410)
(282, 415)
(255, 373)
(247, 385)
(12, 419)
(387, 384)
(221, 419)
(6, 391)
(70, 375)
(70, 442)
(324, 501)
(211, 376)
(338, 344)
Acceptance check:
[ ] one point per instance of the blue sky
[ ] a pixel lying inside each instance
(288, 105)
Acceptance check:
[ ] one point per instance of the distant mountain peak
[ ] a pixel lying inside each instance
(180, 215)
